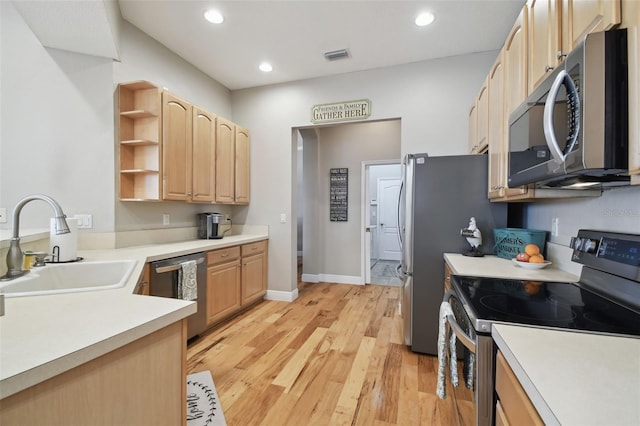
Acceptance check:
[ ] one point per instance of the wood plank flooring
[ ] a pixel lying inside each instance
(332, 357)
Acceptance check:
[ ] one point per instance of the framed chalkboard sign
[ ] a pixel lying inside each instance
(338, 194)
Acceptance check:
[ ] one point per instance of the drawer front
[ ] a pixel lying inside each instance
(254, 248)
(516, 405)
(223, 255)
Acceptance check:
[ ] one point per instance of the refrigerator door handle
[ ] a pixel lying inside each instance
(400, 227)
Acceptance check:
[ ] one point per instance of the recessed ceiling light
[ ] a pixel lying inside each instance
(214, 16)
(265, 67)
(424, 19)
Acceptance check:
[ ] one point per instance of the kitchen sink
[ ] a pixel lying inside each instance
(70, 278)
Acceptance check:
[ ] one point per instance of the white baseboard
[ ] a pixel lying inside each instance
(329, 278)
(281, 296)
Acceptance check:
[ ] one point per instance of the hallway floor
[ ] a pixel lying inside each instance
(383, 272)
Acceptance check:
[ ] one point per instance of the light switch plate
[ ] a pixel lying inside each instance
(84, 221)
(3, 215)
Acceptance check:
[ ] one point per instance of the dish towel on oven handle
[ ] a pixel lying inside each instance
(187, 281)
(446, 341)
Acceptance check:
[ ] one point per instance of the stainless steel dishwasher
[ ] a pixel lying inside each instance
(164, 283)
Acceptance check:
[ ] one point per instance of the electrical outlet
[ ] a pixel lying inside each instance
(283, 218)
(3, 215)
(166, 219)
(554, 227)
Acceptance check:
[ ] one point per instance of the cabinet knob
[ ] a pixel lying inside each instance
(548, 68)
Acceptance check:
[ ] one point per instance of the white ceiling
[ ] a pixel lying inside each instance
(294, 35)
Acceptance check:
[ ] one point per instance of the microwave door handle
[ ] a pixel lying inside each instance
(549, 105)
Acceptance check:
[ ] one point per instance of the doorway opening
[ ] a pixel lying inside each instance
(382, 180)
(328, 250)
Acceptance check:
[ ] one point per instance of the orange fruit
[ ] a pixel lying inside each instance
(531, 249)
(531, 288)
(536, 258)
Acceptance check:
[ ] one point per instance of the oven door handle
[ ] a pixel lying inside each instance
(461, 335)
(464, 338)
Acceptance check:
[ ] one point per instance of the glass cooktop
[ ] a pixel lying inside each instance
(543, 303)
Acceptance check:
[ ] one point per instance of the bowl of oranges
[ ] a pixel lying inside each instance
(531, 258)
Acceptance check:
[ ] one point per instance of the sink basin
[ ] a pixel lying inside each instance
(70, 278)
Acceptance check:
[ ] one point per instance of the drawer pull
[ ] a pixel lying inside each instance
(224, 255)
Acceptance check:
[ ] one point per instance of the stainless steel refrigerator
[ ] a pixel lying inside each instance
(438, 196)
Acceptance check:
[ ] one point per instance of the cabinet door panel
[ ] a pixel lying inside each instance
(176, 146)
(223, 291)
(496, 130)
(242, 161)
(225, 161)
(253, 277)
(515, 80)
(580, 18)
(204, 137)
(544, 39)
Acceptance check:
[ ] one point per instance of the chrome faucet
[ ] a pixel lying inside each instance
(15, 255)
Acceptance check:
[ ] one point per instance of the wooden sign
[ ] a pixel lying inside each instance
(338, 194)
(341, 111)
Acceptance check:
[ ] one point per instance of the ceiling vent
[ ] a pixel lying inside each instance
(336, 54)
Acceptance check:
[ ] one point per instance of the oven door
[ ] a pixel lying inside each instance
(481, 345)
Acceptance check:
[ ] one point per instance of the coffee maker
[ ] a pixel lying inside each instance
(209, 226)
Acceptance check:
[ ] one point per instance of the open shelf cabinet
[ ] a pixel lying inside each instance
(140, 144)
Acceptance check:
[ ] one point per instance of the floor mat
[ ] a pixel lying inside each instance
(203, 404)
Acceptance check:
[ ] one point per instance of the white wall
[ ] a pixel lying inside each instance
(617, 210)
(57, 125)
(347, 146)
(432, 98)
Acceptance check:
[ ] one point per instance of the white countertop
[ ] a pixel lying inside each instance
(43, 336)
(575, 378)
(494, 266)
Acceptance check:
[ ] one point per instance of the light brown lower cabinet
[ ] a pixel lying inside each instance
(141, 383)
(254, 271)
(514, 406)
(236, 278)
(223, 284)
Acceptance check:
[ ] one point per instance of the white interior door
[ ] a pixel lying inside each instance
(388, 191)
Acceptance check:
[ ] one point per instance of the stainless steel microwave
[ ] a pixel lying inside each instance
(572, 131)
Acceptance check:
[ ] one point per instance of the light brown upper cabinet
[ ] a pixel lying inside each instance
(169, 149)
(545, 44)
(139, 141)
(515, 87)
(478, 123)
(232, 163)
(177, 139)
(580, 17)
(225, 161)
(496, 130)
(557, 26)
(242, 162)
(204, 156)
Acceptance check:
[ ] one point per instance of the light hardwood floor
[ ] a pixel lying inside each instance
(332, 357)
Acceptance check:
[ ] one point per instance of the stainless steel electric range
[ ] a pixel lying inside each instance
(605, 300)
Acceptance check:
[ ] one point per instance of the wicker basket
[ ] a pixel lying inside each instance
(511, 241)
